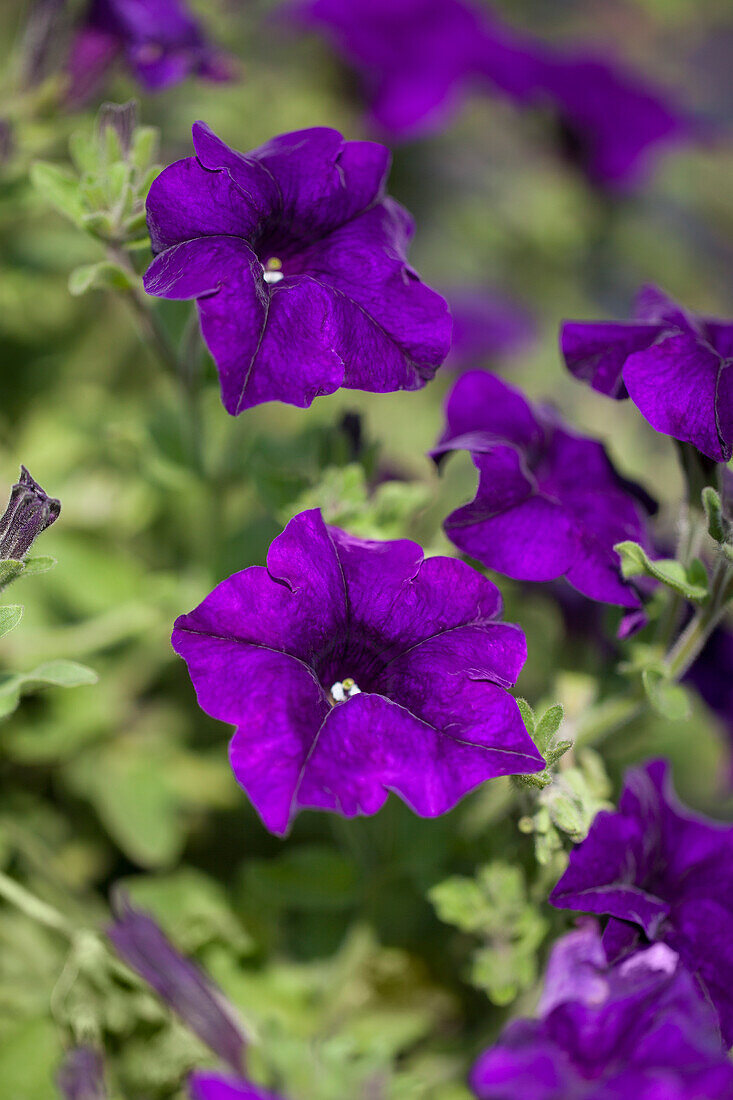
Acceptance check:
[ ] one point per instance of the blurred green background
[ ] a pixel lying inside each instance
(327, 943)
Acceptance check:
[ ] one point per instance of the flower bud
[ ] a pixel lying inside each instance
(29, 512)
(81, 1076)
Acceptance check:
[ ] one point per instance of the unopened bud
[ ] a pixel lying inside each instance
(29, 512)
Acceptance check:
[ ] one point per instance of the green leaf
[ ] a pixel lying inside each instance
(9, 570)
(105, 275)
(10, 616)
(144, 148)
(692, 583)
(668, 698)
(59, 187)
(718, 526)
(40, 564)
(59, 673)
(528, 716)
(548, 726)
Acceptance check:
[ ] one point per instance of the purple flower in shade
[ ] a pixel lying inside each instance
(81, 1076)
(160, 41)
(417, 59)
(712, 676)
(656, 868)
(177, 981)
(675, 366)
(610, 119)
(487, 325)
(549, 503)
(297, 260)
(30, 511)
(212, 1086)
(637, 1029)
(354, 668)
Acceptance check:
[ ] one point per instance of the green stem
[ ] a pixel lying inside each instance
(693, 638)
(33, 907)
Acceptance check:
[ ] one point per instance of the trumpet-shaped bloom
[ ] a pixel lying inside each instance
(417, 59)
(675, 366)
(298, 263)
(637, 1029)
(549, 503)
(159, 40)
(353, 668)
(658, 870)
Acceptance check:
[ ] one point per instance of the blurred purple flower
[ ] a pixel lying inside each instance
(712, 676)
(417, 59)
(610, 119)
(30, 511)
(81, 1076)
(212, 1086)
(675, 366)
(354, 668)
(655, 867)
(298, 262)
(177, 981)
(160, 41)
(487, 325)
(549, 503)
(637, 1029)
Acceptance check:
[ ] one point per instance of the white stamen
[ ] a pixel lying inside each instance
(344, 689)
(272, 270)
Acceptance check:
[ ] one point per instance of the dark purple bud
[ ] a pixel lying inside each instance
(177, 981)
(122, 118)
(30, 510)
(81, 1076)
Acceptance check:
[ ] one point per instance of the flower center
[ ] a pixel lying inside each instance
(273, 270)
(343, 690)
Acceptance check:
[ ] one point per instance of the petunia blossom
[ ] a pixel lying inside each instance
(204, 1085)
(676, 366)
(487, 325)
(637, 1029)
(418, 59)
(298, 262)
(549, 503)
(353, 668)
(660, 873)
(159, 40)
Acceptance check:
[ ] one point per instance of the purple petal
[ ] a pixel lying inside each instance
(486, 325)
(369, 746)
(213, 1086)
(595, 352)
(81, 1076)
(191, 995)
(575, 970)
(682, 388)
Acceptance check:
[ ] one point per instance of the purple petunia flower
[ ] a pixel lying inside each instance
(212, 1086)
(417, 59)
(159, 40)
(655, 866)
(354, 668)
(610, 120)
(177, 981)
(675, 366)
(712, 676)
(637, 1029)
(298, 262)
(487, 325)
(549, 503)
